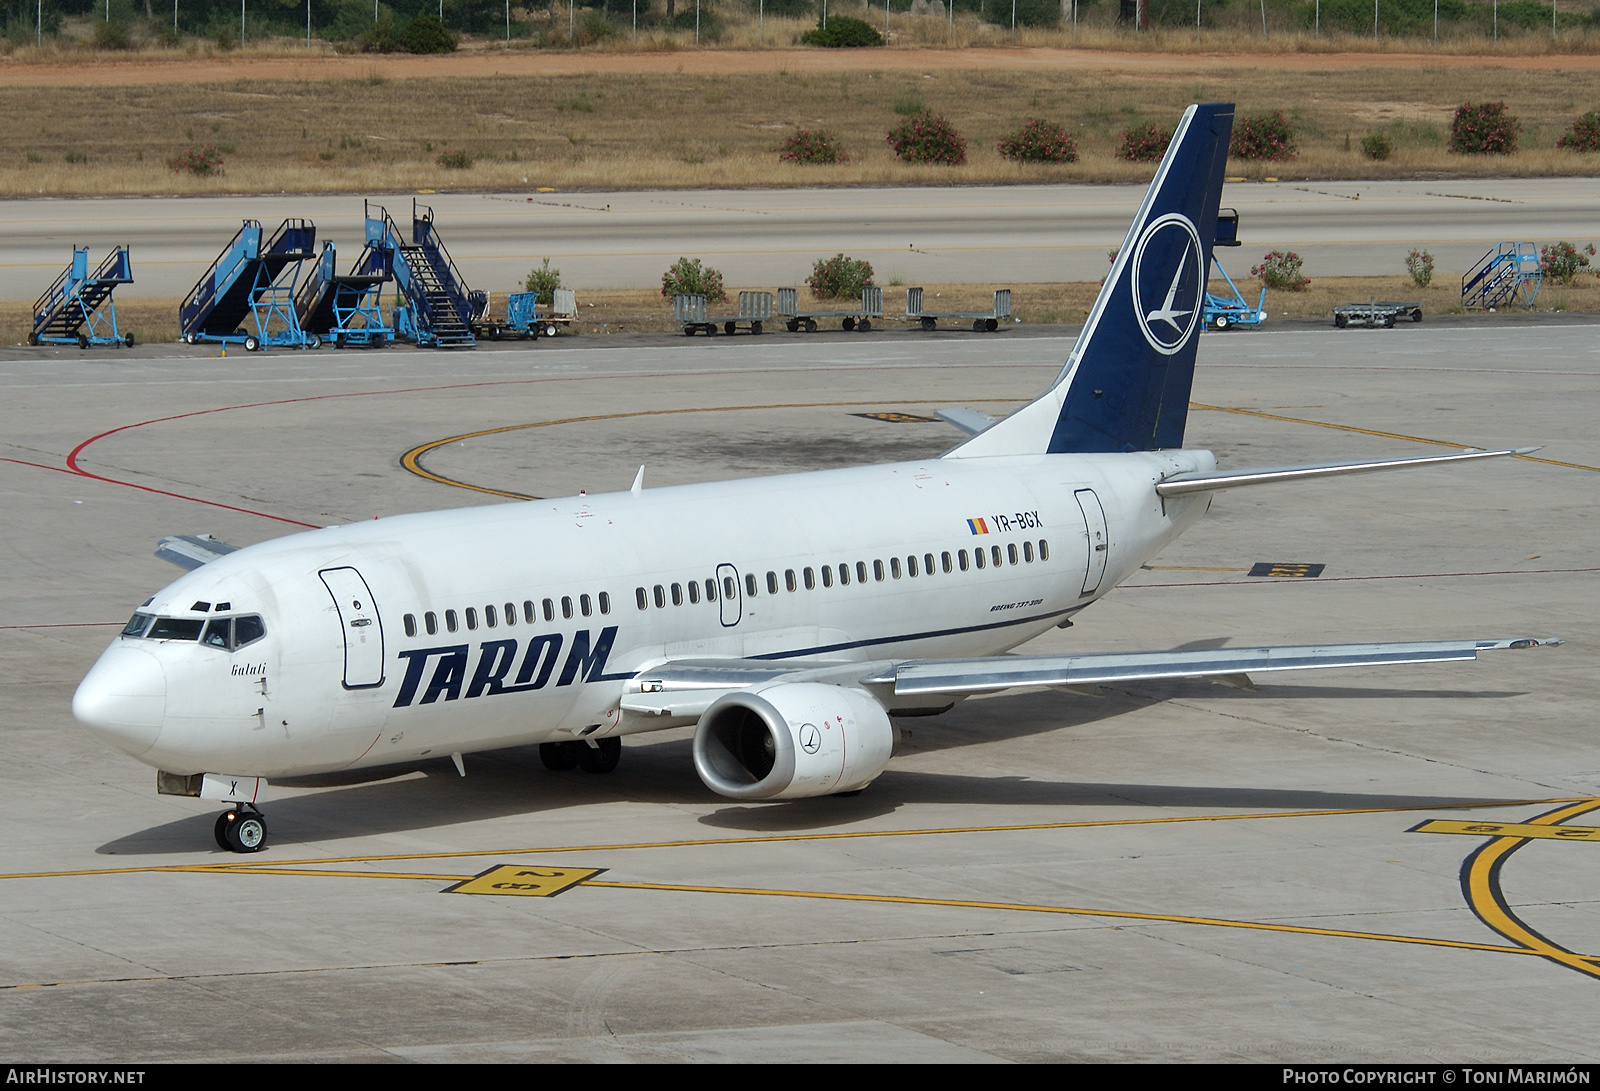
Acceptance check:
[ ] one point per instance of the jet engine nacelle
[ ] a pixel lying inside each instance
(792, 740)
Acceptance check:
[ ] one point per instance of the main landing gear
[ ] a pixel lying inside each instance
(592, 756)
(241, 829)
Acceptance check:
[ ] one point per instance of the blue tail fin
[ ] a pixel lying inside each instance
(1126, 385)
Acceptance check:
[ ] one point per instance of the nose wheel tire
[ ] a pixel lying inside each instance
(558, 757)
(241, 831)
(600, 758)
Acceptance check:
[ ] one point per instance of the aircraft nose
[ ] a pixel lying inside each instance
(123, 699)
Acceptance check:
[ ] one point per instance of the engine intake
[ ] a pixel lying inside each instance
(791, 741)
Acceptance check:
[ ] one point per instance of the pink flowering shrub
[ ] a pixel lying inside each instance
(928, 138)
(1583, 135)
(807, 146)
(1144, 143)
(1039, 141)
(1263, 136)
(201, 161)
(1282, 271)
(1484, 128)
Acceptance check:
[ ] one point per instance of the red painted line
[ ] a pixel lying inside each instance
(37, 465)
(1258, 582)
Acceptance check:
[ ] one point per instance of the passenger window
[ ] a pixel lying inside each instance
(411, 625)
(176, 628)
(431, 622)
(247, 630)
(894, 567)
(216, 634)
(977, 557)
(811, 579)
(861, 572)
(827, 575)
(529, 613)
(661, 596)
(1027, 552)
(961, 560)
(844, 575)
(136, 626)
(730, 589)
(877, 570)
(585, 605)
(549, 609)
(788, 578)
(911, 565)
(566, 605)
(750, 583)
(694, 591)
(1011, 552)
(641, 598)
(489, 616)
(1044, 550)
(711, 590)
(472, 617)
(677, 594)
(945, 557)
(450, 620)
(772, 582)
(994, 554)
(605, 602)
(511, 613)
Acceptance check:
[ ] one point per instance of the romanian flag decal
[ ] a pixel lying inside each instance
(978, 526)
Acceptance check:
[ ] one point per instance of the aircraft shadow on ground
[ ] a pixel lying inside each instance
(512, 783)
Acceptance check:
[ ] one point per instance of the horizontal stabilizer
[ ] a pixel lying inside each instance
(969, 421)
(1233, 479)
(190, 551)
(962, 676)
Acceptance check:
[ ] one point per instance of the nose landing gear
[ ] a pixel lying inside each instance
(241, 829)
(597, 756)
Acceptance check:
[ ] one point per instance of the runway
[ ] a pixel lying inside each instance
(1356, 866)
(769, 238)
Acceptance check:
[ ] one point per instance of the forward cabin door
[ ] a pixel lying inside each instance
(361, 625)
(732, 602)
(1094, 525)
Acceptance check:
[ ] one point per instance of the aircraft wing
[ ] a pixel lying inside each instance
(686, 688)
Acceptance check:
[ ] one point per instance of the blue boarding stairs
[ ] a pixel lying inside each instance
(78, 309)
(252, 283)
(345, 308)
(1508, 275)
(1221, 312)
(434, 307)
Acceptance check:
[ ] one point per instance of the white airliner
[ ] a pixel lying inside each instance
(792, 619)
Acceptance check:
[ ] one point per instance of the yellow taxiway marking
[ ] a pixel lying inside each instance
(1480, 884)
(412, 459)
(1374, 432)
(1509, 829)
(525, 880)
(295, 867)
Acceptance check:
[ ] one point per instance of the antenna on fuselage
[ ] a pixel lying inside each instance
(638, 482)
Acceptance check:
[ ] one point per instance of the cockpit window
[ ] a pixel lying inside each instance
(176, 628)
(216, 634)
(136, 625)
(248, 630)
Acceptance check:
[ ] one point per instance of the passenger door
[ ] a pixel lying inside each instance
(731, 594)
(1094, 525)
(360, 624)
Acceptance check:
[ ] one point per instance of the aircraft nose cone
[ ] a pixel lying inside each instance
(123, 699)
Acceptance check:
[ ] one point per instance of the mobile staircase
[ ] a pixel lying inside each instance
(252, 282)
(1508, 275)
(1220, 312)
(981, 323)
(344, 308)
(78, 309)
(797, 318)
(690, 312)
(437, 307)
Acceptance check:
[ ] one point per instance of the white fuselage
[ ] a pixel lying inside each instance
(334, 685)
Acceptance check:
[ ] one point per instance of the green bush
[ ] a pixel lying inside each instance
(791, 9)
(593, 27)
(428, 34)
(1583, 135)
(1282, 271)
(1419, 263)
(688, 277)
(1376, 146)
(843, 32)
(545, 281)
(807, 146)
(1039, 141)
(453, 160)
(710, 24)
(112, 35)
(198, 161)
(1484, 128)
(1144, 143)
(1030, 13)
(839, 277)
(928, 138)
(1561, 261)
(380, 36)
(1263, 137)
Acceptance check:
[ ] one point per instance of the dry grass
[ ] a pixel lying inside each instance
(643, 310)
(672, 130)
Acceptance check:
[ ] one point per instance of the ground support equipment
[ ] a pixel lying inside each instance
(255, 282)
(345, 308)
(1380, 312)
(525, 319)
(755, 308)
(1222, 313)
(1508, 275)
(987, 322)
(797, 319)
(436, 307)
(78, 309)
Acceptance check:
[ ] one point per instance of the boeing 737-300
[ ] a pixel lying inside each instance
(791, 619)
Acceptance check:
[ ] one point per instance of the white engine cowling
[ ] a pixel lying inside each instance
(792, 740)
